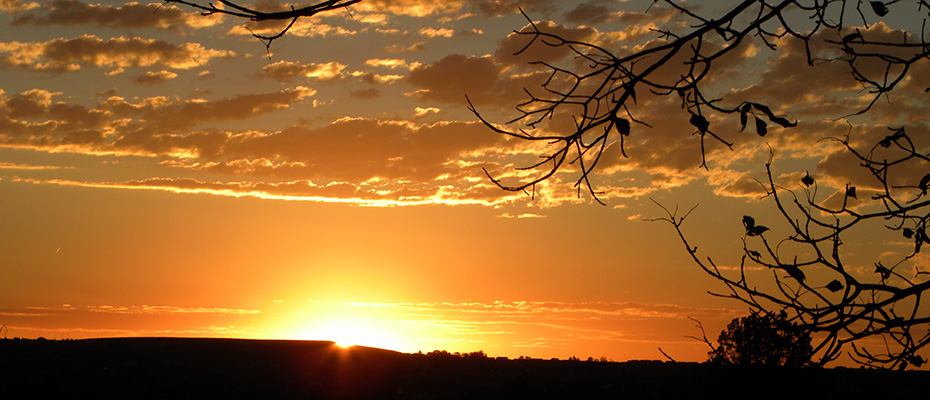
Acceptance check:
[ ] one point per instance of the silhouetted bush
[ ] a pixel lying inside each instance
(763, 340)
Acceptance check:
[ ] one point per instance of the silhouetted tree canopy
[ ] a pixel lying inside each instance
(763, 339)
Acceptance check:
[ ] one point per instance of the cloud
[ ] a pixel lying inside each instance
(416, 8)
(508, 48)
(286, 71)
(842, 167)
(396, 48)
(669, 151)
(345, 193)
(133, 320)
(482, 79)
(521, 216)
(600, 11)
(455, 8)
(128, 15)
(422, 112)
(390, 63)
(303, 27)
(495, 8)
(63, 55)
(153, 78)
(434, 32)
(365, 161)
(734, 184)
(9, 165)
(365, 94)
(154, 126)
(16, 5)
(147, 309)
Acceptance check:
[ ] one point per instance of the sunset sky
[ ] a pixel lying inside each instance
(163, 174)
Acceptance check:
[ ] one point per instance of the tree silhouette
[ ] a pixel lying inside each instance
(876, 317)
(762, 339)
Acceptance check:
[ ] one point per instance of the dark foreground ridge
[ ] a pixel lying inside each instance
(173, 368)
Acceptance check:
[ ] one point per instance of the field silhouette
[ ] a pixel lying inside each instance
(176, 368)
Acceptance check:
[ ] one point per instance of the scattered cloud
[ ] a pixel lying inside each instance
(153, 77)
(156, 125)
(423, 111)
(286, 71)
(396, 48)
(415, 8)
(434, 32)
(663, 156)
(63, 55)
(358, 160)
(389, 63)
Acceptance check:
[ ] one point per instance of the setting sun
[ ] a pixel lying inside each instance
(464, 176)
(350, 333)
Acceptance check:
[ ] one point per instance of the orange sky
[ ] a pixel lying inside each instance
(163, 175)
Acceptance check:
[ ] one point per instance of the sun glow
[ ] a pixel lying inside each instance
(351, 333)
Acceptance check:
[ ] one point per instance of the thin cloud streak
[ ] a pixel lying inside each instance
(242, 189)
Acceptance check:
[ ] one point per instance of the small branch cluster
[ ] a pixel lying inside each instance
(252, 14)
(601, 98)
(808, 277)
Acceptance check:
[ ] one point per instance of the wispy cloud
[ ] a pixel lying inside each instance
(520, 216)
(343, 193)
(31, 167)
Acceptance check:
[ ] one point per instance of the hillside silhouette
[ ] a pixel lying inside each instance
(158, 368)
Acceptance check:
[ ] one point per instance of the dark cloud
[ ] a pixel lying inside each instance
(538, 51)
(591, 12)
(128, 15)
(154, 78)
(504, 7)
(365, 94)
(482, 79)
(600, 11)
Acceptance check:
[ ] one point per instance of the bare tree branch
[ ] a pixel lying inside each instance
(252, 14)
(812, 284)
(601, 98)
